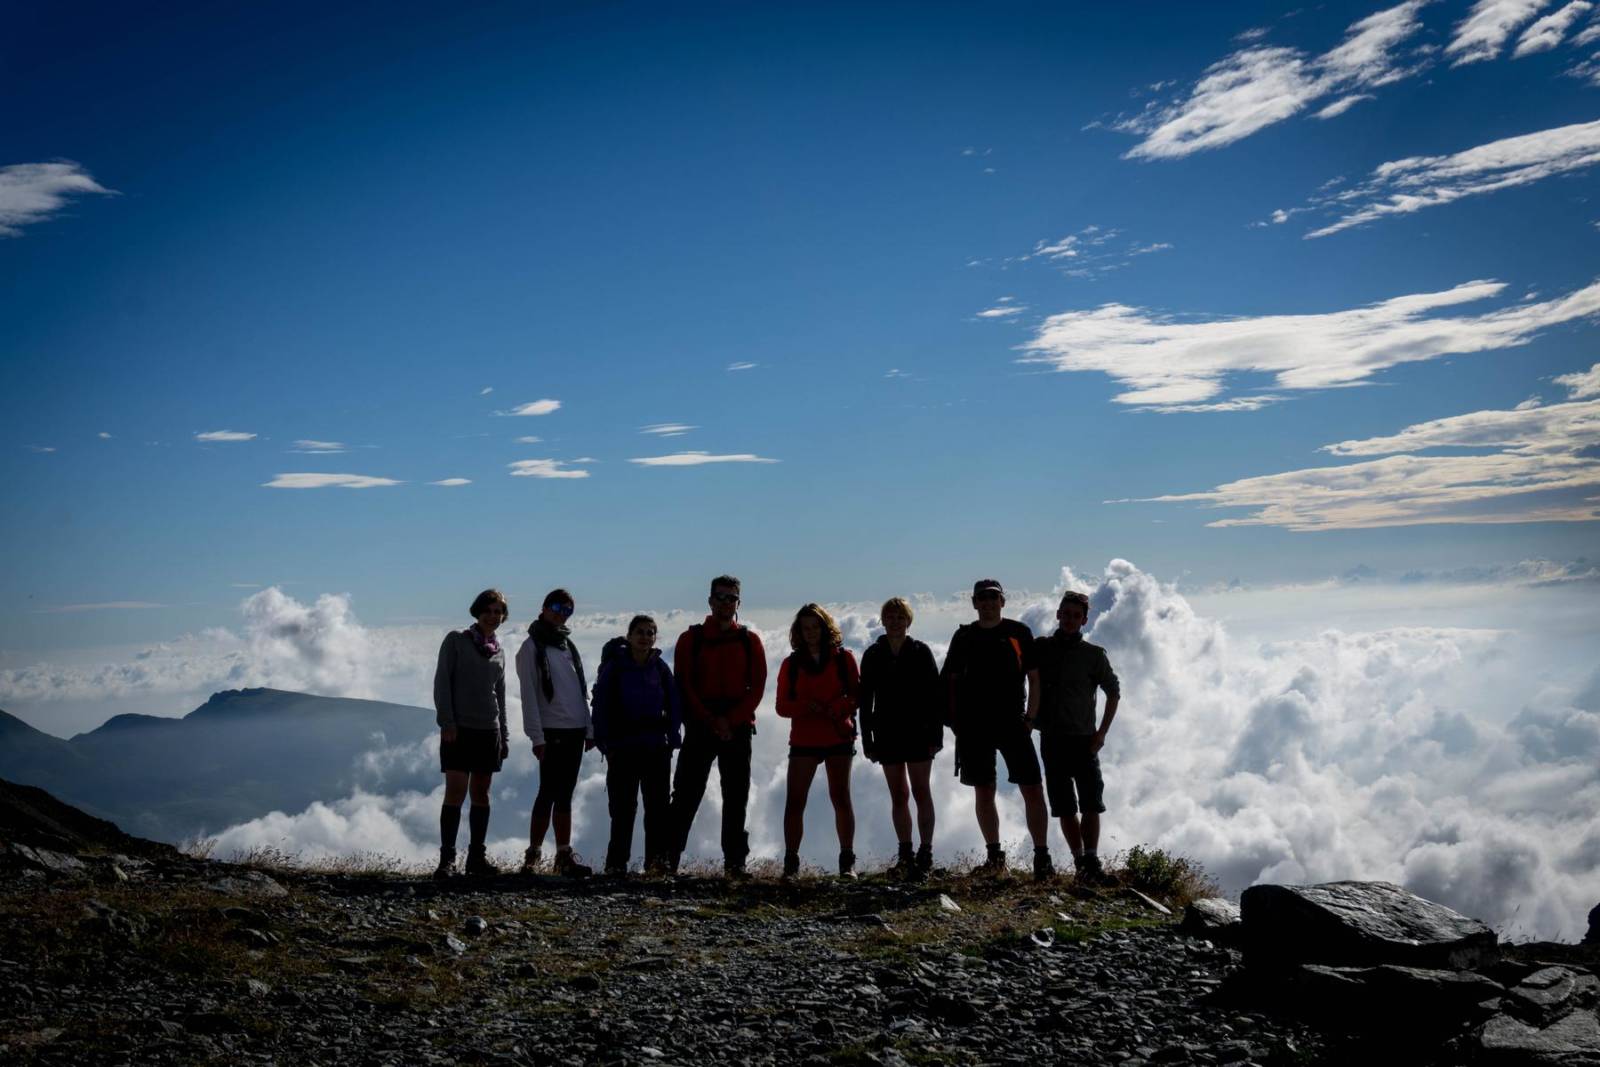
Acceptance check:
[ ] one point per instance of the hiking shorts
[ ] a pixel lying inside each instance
(822, 752)
(1072, 775)
(976, 754)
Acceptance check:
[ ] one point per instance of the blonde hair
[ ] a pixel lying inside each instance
(898, 603)
(831, 637)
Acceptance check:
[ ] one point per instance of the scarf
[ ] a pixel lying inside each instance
(488, 647)
(543, 635)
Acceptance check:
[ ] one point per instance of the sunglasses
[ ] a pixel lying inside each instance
(988, 594)
(725, 598)
(559, 609)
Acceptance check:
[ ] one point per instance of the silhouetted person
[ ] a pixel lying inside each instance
(721, 670)
(555, 716)
(638, 721)
(469, 700)
(994, 700)
(817, 687)
(1070, 671)
(902, 728)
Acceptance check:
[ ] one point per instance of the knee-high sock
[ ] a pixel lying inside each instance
(478, 821)
(449, 823)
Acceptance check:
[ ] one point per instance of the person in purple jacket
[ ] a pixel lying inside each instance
(638, 721)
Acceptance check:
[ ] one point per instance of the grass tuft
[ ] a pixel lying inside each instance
(1159, 874)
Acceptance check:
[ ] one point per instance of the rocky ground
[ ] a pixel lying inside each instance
(139, 955)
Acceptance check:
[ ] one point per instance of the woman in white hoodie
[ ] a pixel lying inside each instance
(555, 716)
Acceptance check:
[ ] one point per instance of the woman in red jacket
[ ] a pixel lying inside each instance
(817, 691)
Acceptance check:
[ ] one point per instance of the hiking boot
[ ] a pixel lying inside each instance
(673, 863)
(532, 860)
(657, 868)
(791, 866)
(994, 866)
(847, 864)
(447, 865)
(906, 865)
(734, 871)
(568, 866)
(1088, 870)
(1043, 868)
(478, 865)
(924, 861)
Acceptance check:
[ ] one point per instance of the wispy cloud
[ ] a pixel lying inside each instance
(103, 436)
(530, 440)
(1548, 31)
(667, 429)
(544, 468)
(318, 448)
(327, 481)
(1544, 470)
(1001, 311)
(1407, 185)
(1343, 104)
(32, 192)
(536, 407)
(1261, 85)
(452, 482)
(486, 390)
(1171, 365)
(41, 449)
(696, 459)
(743, 366)
(110, 605)
(1588, 35)
(1487, 27)
(211, 436)
(1581, 384)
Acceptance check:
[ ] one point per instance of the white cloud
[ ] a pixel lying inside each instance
(103, 436)
(743, 366)
(536, 407)
(1261, 85)
(667, 429)
(1343, 104)
(327, 481)
(1543, 471)
(1166, 363)
(224, 435)
(1582, 383)
(110, 605)
(1588, 35)
(32, 192)
(1065, 248)
(1547, 33)
(452, 482)
(1487, 27)
(318, 448)
(544, 468)
(41, 449)
(1407, 185)
(696, 459)
(1587, 70)
(1417, 754)
(486, 390)
(530, 440)
(1001, 311)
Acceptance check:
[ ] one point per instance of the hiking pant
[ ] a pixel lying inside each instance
(630, 771)
(558, 770)
(700, 750)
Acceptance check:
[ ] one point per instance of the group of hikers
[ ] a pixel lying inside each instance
(997, 685)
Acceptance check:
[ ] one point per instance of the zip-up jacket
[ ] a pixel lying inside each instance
(636, 705)
(567, 708)
(1070, 670)
(802, 682)
(902, 704)
(469, 688)
(720, 673)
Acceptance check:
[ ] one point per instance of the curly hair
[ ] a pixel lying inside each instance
(831, 637)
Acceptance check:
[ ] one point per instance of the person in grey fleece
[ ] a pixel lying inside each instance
(555, 716)
(469, 700)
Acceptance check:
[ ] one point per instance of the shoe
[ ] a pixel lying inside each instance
(847, 864)
(1043, 868)
(613, 871)
(734, 871)
(447, 865)
(532, 860)
(568, 866)
(906, 865)
(924, 860)
(478, 865)
(791, 866)
(1088, 870)
(657, 868)
(994, 866)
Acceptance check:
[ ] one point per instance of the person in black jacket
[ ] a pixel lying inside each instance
(902, 727)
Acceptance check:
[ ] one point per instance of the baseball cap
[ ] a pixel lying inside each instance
(986, 585)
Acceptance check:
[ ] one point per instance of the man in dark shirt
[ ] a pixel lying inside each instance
(994, 700)
(1070, 670)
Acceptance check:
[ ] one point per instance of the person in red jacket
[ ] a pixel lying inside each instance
(818, 686)
(721, 670)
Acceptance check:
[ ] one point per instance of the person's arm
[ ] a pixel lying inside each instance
(930, 697)
(505, 725)
(674, 710)
(1031, 716)
(682, 667)
(528, 682)
(846, 702)
(1112, 688)
(746, 707)
(869, 683)
(599, 708)
(950, 675)
(444, 710)
(789, 707)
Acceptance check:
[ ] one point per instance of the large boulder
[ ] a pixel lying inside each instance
(1593, 936)
(1212, 918)
(1571, 1041)
(1359, 924)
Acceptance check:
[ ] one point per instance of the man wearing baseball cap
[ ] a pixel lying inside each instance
(993, 689)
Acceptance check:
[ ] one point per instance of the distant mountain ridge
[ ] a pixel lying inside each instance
(241, 754)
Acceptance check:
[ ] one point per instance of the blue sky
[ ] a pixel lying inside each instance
(384, 229)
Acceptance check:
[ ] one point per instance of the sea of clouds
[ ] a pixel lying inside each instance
(1461, 761)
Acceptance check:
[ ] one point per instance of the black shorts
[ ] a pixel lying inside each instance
(474, 751)
(1072, 774)
(844, 748)
(975, 752)
(903, 753)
